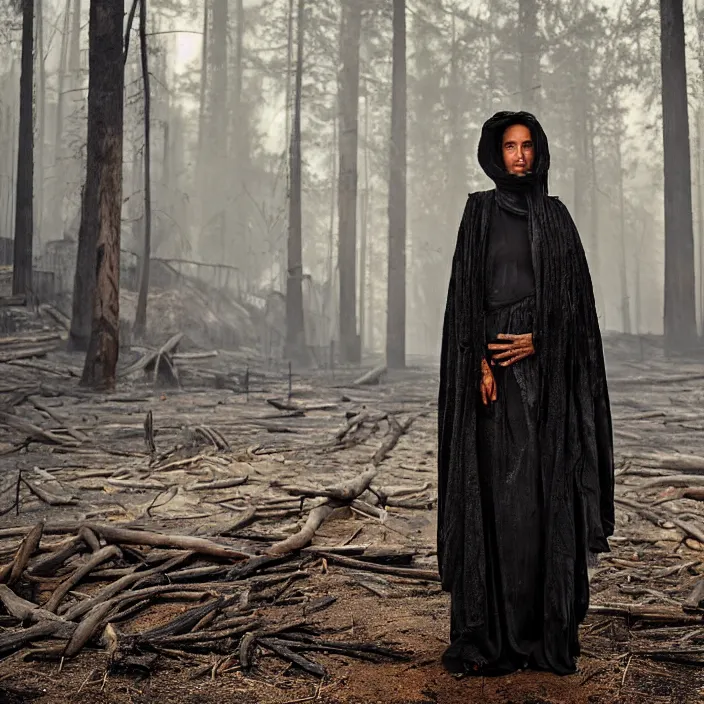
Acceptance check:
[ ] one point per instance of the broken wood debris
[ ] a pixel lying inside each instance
(229, 612)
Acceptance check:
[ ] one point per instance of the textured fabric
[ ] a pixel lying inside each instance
(568, 425)
(508, 260)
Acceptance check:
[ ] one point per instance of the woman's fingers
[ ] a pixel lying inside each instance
(504, 355)
(514, 359)
(495, 346)
(511, 353)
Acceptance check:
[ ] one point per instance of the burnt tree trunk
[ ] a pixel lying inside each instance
(365, 211)
(295, 330)
(203, 90)
(348, 102)
(680, 314)
(216, 198)
(396, 283)
(104, 170)
(24, 194)
(140, 322)
(40, 99)
(58, 191)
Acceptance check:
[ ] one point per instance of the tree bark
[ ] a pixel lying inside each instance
(396, 283)
(364, 229)
(295, 330)
(59, 188)
(348, 102)
(105, 124)
(203, 88)
(24, 194)
(699, 161)
(530, 55)
(140, 322)
(679, 314)
(217, 151)
(40, 98)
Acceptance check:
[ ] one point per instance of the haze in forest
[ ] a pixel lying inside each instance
(222, 96)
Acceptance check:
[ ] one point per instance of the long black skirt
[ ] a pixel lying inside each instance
(511, 637)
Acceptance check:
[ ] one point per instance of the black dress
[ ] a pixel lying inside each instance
(510, 477)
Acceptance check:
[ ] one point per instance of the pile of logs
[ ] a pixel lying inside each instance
(63, 594)
(93, 581)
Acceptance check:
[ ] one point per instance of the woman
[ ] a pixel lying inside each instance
(525, 458)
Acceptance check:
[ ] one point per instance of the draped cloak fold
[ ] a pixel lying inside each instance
(574, 431)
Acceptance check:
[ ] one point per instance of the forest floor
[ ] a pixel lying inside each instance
(239, 471)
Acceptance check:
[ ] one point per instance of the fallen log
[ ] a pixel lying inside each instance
(29, 339)
(151, 357)
(201, 546)
(345, 492)
(73, 432)
(315, 519)
(82, 607)
(353, 649)
(391, 439)
(286, 653)
(696, 597)
(371, 377)
(109, 552)
(682, 463)
(11, 572)
(86, 629)
(182, 623)
(34, 431)
(642, 612)
(57, 558)
(26, 353)
(18, 299)
(410, 572)
(250, 639)
(22, 609)
(48, 497)
(380, 555)
(356, 420)
(686, 527)
(18, 638)
(676, 480)
(217, 484)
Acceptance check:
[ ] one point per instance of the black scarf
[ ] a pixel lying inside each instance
(572, 382)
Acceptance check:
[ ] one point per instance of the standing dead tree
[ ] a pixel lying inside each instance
(396, 305)
(140, 322)
(295, 333)
(24, 219)
(680, 315)
(350, 36)
(104, 176)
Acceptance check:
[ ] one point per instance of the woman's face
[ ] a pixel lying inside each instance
(517, 148)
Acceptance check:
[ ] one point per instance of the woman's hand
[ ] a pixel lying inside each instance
(488, 384)
(516, 348)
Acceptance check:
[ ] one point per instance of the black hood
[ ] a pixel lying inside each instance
(490, 154)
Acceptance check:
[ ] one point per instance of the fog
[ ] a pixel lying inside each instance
(221, 115)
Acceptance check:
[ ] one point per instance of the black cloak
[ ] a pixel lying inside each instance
(574, 432)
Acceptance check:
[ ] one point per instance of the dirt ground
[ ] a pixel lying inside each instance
(625, 660)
